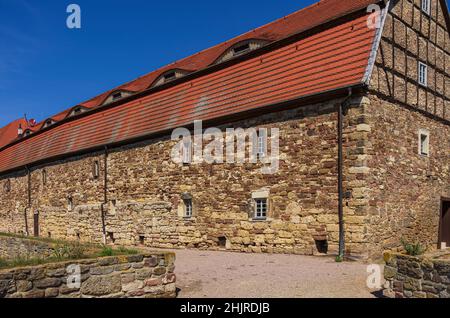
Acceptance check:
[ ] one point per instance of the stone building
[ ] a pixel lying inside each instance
(334, 78)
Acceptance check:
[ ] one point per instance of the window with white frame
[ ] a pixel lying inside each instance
(426, 6)
(188, 208)
(96, 169)
(261, 143)
(187, 152)
(261, 208)
(424, 142)
(423, 74)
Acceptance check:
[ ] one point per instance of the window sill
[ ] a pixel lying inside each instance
(260, 220)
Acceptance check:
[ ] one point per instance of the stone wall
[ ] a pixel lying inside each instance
(134, 276)
(404, 188)
(416, 277)
(13, 247)
(145, 188)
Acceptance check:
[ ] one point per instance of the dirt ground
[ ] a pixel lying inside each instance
(234, 275)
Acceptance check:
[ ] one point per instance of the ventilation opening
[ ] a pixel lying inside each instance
(111, 238)
(222, 241)
(322, 246)
(141, 239)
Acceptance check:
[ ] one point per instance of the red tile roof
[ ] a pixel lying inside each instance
(327, 60)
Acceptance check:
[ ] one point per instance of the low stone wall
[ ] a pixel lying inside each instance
(13, 247)
(416, 277)
(148, 276)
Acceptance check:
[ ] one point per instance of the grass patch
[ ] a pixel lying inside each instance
(63, 251)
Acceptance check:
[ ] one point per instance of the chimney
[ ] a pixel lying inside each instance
(19, 131)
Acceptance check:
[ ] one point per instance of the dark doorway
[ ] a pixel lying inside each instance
(445, 223)
(36, 223)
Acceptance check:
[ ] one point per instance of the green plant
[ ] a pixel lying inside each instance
(413, 249)
(76, 251)
(61, 251)
(106, 251)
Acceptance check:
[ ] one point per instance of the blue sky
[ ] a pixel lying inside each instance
(46, 67)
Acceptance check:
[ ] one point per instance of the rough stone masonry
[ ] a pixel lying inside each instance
(391, 190)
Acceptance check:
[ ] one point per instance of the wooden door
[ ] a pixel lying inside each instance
(445, 223)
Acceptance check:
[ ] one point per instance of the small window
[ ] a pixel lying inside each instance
(141, 240)
(7, 185)
(426, 6)
(187, 208)
(423, 74)
(241, 49)
(44, 177)
(96, 169)
(424, 142)
(117, 96)
(27, 132)
(261, 209)
(77, 111)
(70, 204)
(187, 152)
(262, 143)
(170, 76)
(48, 123)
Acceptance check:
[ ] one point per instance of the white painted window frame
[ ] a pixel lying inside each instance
(422, 76)
(424, 149)
(188, 208)
(426, 6)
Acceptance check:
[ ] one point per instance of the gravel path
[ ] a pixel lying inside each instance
(235, 275)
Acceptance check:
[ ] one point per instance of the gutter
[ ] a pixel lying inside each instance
(105, 194)
(27, 231)
(341, 113)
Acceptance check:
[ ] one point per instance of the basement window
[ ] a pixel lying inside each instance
(322, 246)
(426, 6)
(423, 74)
(261, 208)
(96, 169)
(424, 142)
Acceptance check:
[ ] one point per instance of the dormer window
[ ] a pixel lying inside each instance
(169, 76)
(77, 111)
(117, 96)
(27, 133)
(241, 48)
(48, 123)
